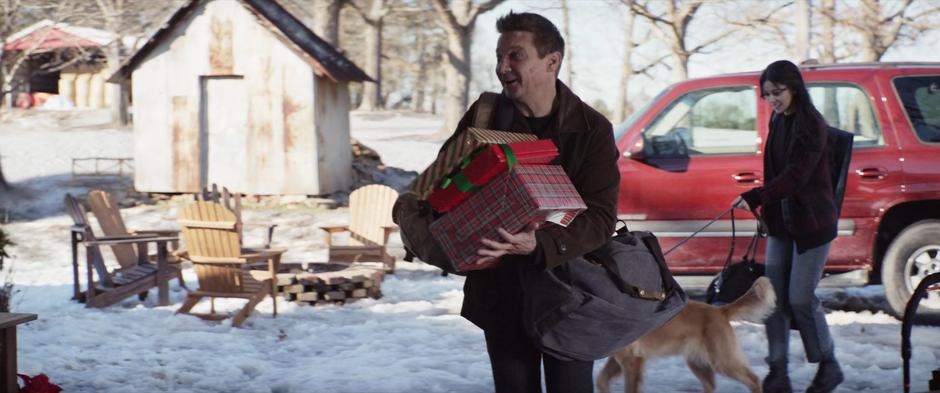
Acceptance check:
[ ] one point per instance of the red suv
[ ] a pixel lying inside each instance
(697, 145)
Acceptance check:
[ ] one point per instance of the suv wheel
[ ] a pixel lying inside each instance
(913, 255)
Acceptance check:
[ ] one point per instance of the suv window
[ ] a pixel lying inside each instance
(706, 122)
(920, 96)
(849, 108)
(627, 124)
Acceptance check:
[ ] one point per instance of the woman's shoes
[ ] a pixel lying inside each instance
(828, 376)
(777, 380)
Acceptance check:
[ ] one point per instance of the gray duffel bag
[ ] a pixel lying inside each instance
(592, 306)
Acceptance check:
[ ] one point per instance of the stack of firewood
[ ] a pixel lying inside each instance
(322, 283)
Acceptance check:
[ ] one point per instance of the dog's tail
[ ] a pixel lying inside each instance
(610, 371)
(755, 304)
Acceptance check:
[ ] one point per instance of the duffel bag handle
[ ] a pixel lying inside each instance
(628, 289)
(652, 245)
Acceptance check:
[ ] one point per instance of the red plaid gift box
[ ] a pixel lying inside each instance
(527, 193)
(483, 165)
(450, 156)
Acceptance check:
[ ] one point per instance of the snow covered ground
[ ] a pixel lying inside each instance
(410, 340)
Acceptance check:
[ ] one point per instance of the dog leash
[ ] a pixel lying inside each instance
(760, 229)
(683, 241)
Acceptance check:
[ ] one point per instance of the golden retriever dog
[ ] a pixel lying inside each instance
(702, 333)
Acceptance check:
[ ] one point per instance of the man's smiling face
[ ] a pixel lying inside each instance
(523, 74)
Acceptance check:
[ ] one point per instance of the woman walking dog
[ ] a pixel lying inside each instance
(798, 205)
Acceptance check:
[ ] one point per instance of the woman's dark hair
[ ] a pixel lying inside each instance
(546, 38)
(807, 119)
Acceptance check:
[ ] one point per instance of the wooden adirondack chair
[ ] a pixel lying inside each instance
(370, 224)
(233, 202)
(108, 215)
(224, 268)
(136, 277)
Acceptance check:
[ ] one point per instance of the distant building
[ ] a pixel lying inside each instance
(242, 94)
(61, 59)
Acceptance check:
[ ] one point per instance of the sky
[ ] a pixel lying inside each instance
(412, 340)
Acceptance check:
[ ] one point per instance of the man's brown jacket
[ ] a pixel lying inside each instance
(588, 154)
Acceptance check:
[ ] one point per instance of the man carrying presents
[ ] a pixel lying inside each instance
(529, 55)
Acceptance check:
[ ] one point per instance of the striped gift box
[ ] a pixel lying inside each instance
(486, 165)
(451, 155)
(528, 193)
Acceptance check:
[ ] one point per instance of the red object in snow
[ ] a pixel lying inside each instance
(38, 384)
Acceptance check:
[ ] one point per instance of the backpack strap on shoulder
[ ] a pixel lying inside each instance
(485, 108)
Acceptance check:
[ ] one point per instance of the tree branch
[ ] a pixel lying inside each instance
(481, 8)
(449, 20)
(644, 12)
(654, 63)
(710, 41)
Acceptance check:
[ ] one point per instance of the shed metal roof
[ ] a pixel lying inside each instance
(325, 59)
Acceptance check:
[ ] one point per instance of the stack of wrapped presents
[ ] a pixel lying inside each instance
(487, 179)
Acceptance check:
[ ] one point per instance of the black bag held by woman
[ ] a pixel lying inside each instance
(736, 278)
(592, 306)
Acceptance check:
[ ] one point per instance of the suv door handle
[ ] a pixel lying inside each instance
(746, 177)
(872, 174)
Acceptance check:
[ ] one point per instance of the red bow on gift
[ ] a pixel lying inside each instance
(38, 384)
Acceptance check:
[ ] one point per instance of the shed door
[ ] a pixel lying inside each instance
(224, 130)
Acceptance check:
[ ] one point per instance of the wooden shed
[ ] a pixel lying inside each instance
(242, 94)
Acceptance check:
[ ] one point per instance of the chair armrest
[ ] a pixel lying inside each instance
(331, 230)
(259, 224)
(157, 232)
(388, 231)
(335, 229)
(114, 240)
(252, 250)
(180, 254)
(261, 255)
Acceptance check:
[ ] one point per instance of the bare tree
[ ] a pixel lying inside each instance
(569, 56)
(326, 19)
(8, 18)
(3, 181)
(803, 18)
(19, 66)
(827, 47)
(672, 26)
(374, 16)
(125, 18)
(773, 22)
(458, 19)
(429, 43)
(417, 88)
(10, 9)
(626, 68)
(113, 13)
(882, 24)
(13, 15)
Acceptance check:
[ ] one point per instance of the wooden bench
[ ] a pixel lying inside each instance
(8, 323)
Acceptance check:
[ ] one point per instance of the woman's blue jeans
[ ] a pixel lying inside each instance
(795, 277)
